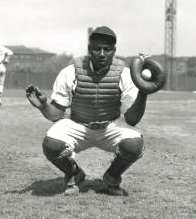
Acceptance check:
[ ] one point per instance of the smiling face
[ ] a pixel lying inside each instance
(101, 50)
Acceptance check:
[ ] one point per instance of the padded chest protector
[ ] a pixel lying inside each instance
(96, 97)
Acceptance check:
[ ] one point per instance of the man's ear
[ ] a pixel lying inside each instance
(114, 50)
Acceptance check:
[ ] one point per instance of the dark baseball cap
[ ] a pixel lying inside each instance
(103, 31)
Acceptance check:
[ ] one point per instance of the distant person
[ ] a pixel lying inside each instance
(5, 54)
(98, 88)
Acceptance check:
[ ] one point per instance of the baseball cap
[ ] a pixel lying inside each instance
(103, 31)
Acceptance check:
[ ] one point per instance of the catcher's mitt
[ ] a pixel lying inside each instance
(157, 80)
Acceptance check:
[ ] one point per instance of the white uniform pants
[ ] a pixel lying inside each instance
(80, 138)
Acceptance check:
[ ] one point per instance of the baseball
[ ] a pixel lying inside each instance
(146, 74)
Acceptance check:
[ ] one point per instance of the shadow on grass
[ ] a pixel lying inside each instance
(43, 187)
(95, 185)
(56, 186)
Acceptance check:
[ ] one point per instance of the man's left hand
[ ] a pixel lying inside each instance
(150, 81)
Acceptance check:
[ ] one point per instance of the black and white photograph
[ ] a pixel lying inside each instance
(97, 109)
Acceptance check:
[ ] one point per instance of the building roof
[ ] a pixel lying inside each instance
(28, 51)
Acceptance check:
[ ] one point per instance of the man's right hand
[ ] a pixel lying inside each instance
(36, 97)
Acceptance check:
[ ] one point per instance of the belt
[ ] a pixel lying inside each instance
(97, 125)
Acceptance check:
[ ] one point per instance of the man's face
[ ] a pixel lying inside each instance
(101, 52)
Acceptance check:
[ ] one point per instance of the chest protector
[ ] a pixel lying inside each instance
(97, 96)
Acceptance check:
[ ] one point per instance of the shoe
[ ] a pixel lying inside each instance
(112, 186)
(70, 187)
(115, 191)
(72, 183)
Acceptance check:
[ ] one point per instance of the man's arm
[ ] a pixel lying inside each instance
(51, 111)
(60, 96)
(133, 100)
(134, 114)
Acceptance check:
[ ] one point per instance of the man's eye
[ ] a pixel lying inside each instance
(105, 50)
(97, 49)
(108, 49)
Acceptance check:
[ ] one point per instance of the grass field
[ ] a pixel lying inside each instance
(161, 185)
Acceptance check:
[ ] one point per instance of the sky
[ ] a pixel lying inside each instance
(60, 26)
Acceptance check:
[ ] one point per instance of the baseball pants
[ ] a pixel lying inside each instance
(78, 137)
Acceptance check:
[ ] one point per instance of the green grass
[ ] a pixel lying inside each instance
(161, 185)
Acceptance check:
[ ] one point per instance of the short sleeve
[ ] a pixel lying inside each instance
(62, 87)
(129, 90)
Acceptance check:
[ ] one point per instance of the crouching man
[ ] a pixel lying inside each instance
(105, 106)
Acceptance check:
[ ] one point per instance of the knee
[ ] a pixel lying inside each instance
(131, 148)
(54, 148)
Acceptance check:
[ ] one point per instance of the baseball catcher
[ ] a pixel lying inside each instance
(105, 102)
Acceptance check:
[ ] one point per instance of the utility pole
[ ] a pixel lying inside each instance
(170, 41)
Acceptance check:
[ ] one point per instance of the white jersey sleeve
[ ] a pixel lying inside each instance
(129, 90)
(63, 85)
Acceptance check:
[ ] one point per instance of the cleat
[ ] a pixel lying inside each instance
(115, 191)
(112, 186)
(70, 186)
(72, 183)
(71, 190)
